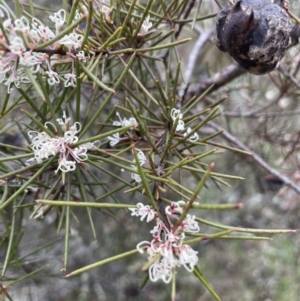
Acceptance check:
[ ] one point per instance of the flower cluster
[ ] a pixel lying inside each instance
(177, 116)
(18, 55)
(115, 138)
(167, 250)
(45, 146)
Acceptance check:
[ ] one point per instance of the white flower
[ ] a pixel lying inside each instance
(52, 77)
(167, 251)
(189, 224)
(174, 208)
(33, 60)
(17, 46)
(64, 122)
(78, 15)
(160, 270)
(34, 36)
(16, 78)
(135, 176)
(141, 157)
(114, 139)
(72, 40)
(40, 32)
(70, 80)
(169, 257)
(180, 126)
(176, 238)
(79, 153)
(143, 211)
(140, 248)
(187, 257)
(45, 146)
(157, 230)
(65, 165)
(145, 26)
(176, 115)
(22, 25)
(131, 121)
(192, 138)
(58, 18)
(125, 122)
(81, 56)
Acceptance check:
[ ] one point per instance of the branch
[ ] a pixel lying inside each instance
(219, 79)
(255, 157)
(257, 112)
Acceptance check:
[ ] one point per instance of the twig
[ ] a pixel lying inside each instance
(202, 40)
(257, 112)
(219, 79)
(259, 115)
(289, 76)
(255, 157)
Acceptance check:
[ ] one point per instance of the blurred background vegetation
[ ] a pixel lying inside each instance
(260, 113)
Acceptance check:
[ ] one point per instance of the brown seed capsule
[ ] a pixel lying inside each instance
(256, 33)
